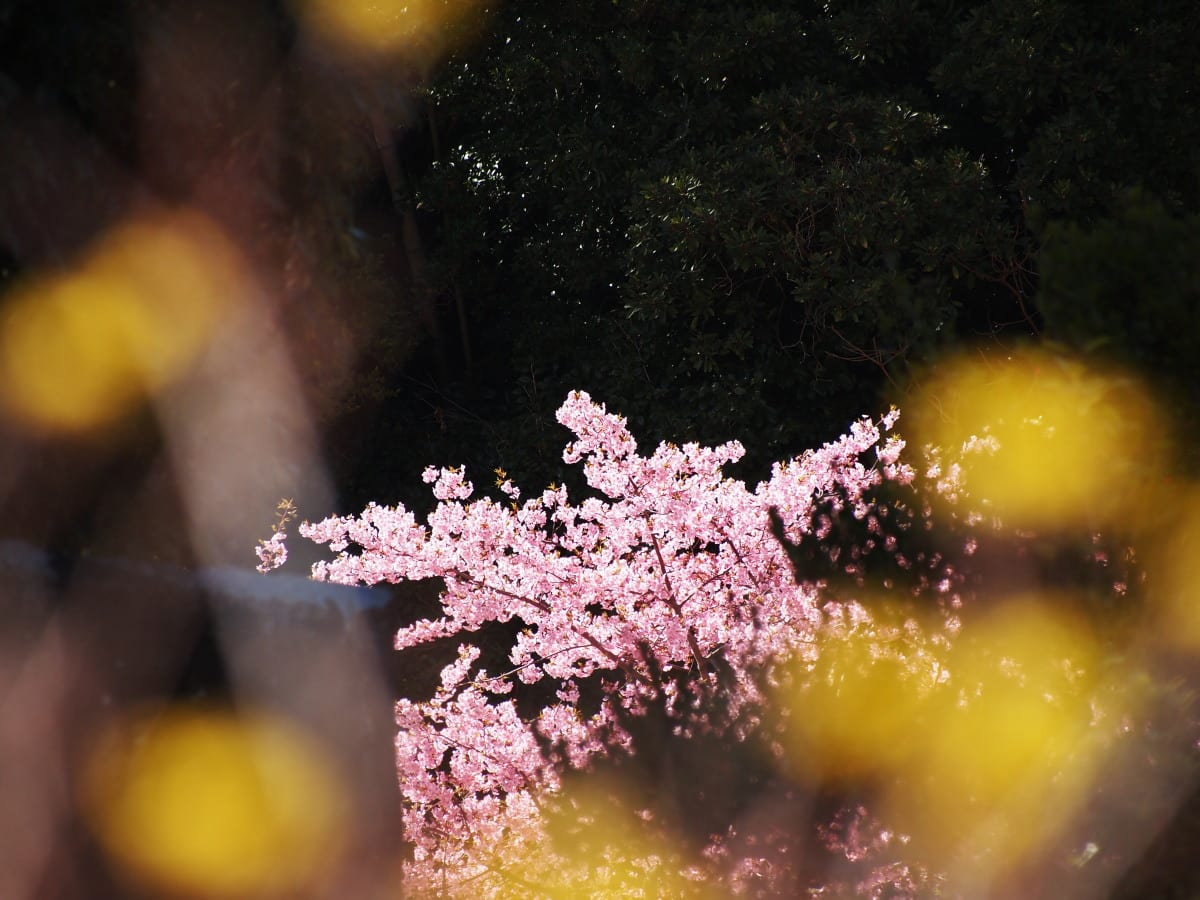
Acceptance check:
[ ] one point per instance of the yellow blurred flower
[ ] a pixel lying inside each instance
(212, 805)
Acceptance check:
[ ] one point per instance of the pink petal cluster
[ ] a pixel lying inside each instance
(667, 565)
(272, 553)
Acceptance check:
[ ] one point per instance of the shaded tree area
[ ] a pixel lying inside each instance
(752, 220)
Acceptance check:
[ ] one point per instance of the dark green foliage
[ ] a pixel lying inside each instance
(1127, 289)
(751, 219)
(1086, 97)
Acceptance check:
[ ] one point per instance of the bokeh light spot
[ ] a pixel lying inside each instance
(1008, 754)
(1049, 442)
(215, 806)
(609, 848)
(418, 28)
(78, 348)
(1174, 586)
(856, 714)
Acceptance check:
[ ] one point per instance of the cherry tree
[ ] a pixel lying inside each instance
(670, 604)
(665, 584)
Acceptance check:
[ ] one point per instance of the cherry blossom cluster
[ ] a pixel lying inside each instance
(273, 552)
(666, 566)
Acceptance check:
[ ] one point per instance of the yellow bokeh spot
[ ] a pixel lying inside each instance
(1074, 445)
(1008, 752)
(78, 348)
(596, 840)
(610, 850)
(417, 27)
(209, 805)
(1174, 585)
(856, 715)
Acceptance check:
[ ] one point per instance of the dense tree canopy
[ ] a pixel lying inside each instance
(723, 218)
(766, 213)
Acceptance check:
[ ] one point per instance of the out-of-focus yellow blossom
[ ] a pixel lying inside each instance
(210, 805)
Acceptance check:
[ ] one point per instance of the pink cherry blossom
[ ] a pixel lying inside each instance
(668, 567)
